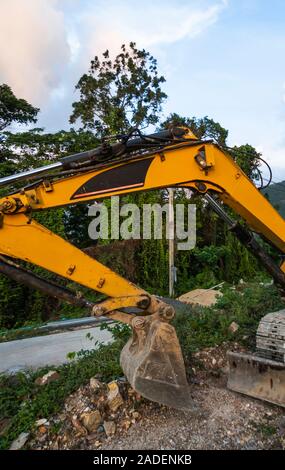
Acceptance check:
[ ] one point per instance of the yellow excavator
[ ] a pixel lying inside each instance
(151, 360)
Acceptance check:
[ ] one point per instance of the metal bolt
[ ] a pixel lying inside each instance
(98, 310)
(101, 282)
(71, 269)
(138, 323)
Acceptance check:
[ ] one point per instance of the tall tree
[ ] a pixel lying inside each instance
(118, 94)
(203, 128)
(206, 128)
(13, 109)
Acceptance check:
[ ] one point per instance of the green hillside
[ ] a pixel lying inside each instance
(276, 194)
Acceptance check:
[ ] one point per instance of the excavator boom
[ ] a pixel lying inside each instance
(152, 359)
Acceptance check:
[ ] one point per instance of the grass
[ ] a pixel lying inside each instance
(265, 429)
(22, 402)
(207, 327)
(32, 329)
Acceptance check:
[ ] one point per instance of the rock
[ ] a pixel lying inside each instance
(131, 391)
(110, 428)
(136, 415)
(20, 441)
(233, 327)
(225, 370)
(114, 397)
(125, 424)
(47, 378)
(78, 426)
(91, 420)
(41, 422)
(95, 384)
(92, 436)
(203, 297)
(42, 429)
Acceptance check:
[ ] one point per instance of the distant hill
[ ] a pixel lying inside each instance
(276, 195)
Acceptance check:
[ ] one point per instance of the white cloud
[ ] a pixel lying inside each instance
(147, 23)
(46, 45)
(33, 47)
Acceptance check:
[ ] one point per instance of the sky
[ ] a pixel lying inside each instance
(221, 58)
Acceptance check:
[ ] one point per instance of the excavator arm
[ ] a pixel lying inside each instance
(152, 359)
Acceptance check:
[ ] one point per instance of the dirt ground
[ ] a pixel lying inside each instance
(222, 419)
(226, 421)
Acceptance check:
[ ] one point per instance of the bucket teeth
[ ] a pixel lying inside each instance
(152, 362)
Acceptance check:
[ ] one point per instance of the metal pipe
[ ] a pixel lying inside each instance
(247, 238)
(104, 151)
(218, 209)
(30, 279)
(25, 174)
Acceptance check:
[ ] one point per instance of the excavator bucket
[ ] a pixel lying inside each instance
(153, 364)
(257, 377)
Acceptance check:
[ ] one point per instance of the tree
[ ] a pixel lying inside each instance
(13, 109)
(203, 128)
(118, 94)
(247, 158)
(35, 148)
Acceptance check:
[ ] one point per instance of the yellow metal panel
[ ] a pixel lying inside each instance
(32, 242)
(179, 168)
(174, 167)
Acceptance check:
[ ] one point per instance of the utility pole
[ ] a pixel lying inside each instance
(171, 267)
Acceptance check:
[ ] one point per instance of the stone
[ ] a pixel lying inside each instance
(125, 424)
(95, 384)
(78, 426)
(20, 441)
(42, 429)
(110, 428)
(233, 327)
(41, 422)
(47, 378)
(91, 420)
(203, 297)
(114, 398)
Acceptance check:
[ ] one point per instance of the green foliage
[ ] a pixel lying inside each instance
(199, 328)
(36, 148)
(276, 195)
(13, 109)
(247, 158)
(23, 402)
(121, 93)
(203, 128)
(115, 95)
(19, 305)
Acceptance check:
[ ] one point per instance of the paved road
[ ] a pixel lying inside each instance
(47, 350)
(52, 349)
